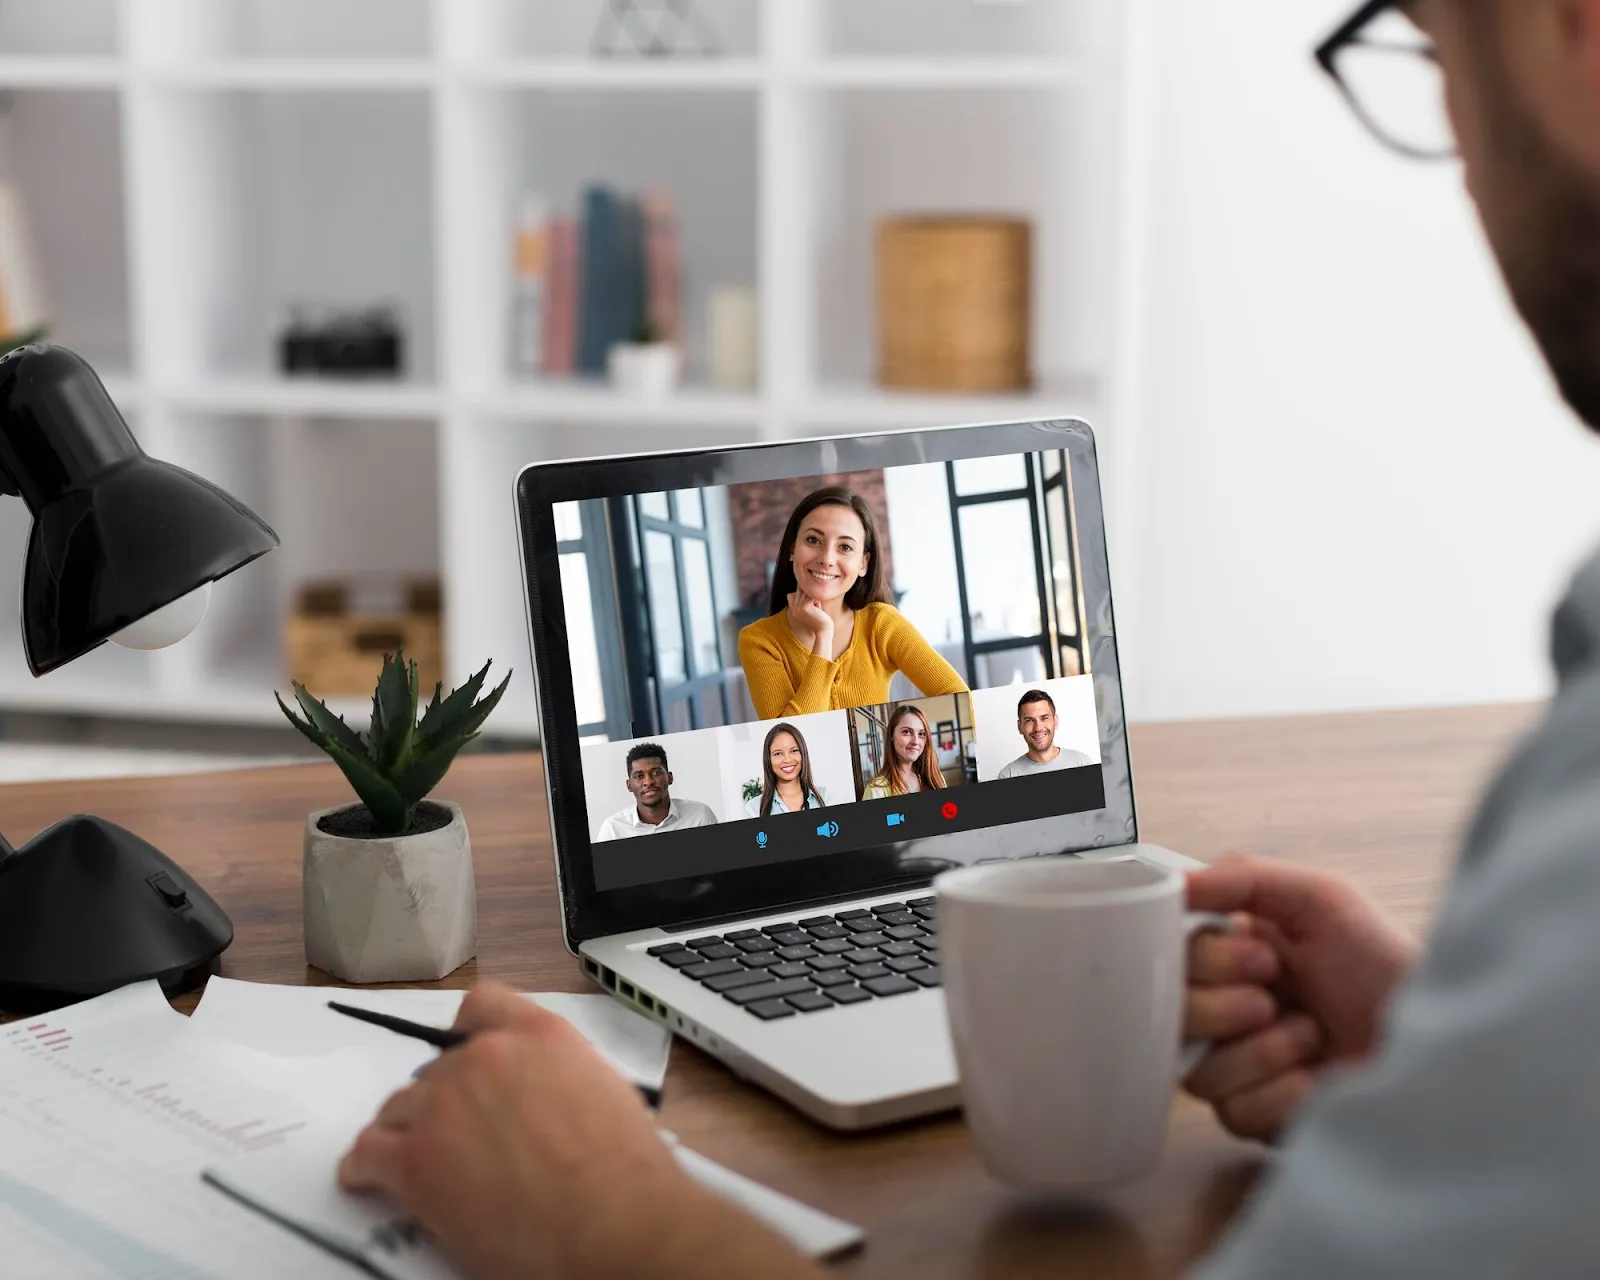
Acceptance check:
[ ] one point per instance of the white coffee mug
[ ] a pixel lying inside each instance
(1064, 980)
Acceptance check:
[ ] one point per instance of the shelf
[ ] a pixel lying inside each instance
(60, 73)
(947, 73)
(598, 405)
(620, 73)
(308, 398)
(869, 408)
(344, 75)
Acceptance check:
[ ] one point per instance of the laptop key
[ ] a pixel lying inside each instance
(811, 921)
(829, 930)
(863, 955)
(900, 949)
(731, 981)
(792, 970)
(869, 939)
(855, 914)
(905, 964)
(757, 943)
(832, 978)
(664, 948)
(893, 985)
(922, 902)
(926, 913)
(888, 906)
(827, 964)
(868, 971)
(786, 926)
(832, 946)
(712, 969)
(899, 917)
(681, 959)
(932, 976)
(761, 959)
(797, 953)
(739, 935)
(768, 991)
(810, 1001)
(710, 940)
(767, 1010)
(903, 932)
(791, 938)
(722, 951)
(847, 995)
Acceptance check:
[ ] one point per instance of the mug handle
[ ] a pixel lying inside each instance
(1194, 922)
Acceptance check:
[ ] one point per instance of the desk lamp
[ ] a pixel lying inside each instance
(123, 548)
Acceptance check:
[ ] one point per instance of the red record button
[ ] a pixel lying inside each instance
(949, 810)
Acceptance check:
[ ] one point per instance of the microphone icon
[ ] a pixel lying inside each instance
(761, 839)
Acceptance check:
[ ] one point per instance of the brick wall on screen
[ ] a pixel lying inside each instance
(759, 513)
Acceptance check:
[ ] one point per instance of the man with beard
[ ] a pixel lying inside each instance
(649, 782)
(1436, 1108)
(1036, 722)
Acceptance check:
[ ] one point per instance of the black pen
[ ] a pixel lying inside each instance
(446, 1038)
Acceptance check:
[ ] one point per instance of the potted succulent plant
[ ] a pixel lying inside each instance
(389, 890)
(647, 366)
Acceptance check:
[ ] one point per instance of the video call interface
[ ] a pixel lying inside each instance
(804, 667)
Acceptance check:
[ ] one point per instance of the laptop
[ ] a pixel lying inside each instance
(782, 686)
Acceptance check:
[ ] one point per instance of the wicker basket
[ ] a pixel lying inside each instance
(953, 303)
(334, 648)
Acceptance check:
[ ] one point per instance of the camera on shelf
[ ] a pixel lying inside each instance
(361, 343)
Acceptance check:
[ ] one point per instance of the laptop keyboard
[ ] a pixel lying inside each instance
(820, 962)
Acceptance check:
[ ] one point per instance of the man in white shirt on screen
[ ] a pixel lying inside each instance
(653, 809)
(1036, 722)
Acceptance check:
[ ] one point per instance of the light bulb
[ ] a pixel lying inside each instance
(168, 624)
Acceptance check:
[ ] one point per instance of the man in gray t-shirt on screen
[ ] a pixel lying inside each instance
(1036, 722)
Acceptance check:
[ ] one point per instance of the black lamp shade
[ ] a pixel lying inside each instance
(116, 534)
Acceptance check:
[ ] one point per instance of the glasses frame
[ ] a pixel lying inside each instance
(1347, 34)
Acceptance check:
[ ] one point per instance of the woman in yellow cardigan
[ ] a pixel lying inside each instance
(832, 638)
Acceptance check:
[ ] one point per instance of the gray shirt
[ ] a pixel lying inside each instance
(1470, 1145)
(1024, 764)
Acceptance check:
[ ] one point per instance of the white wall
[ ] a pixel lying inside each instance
(1356, 486)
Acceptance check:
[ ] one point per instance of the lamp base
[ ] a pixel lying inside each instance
(86, 906)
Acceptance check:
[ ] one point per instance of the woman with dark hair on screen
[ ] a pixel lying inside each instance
(786, 785)
(832, 638)
(912, 763)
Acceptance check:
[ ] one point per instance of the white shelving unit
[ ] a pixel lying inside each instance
(194, 168)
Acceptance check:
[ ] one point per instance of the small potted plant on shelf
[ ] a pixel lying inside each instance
(389, 890)
(647, 366)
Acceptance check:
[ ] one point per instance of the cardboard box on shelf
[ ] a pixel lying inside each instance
(336, 638)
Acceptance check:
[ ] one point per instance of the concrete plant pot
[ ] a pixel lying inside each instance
(390, 908)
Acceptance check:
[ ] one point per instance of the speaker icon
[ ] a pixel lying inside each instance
(828, 830)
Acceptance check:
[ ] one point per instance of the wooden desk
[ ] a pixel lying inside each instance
(1378, 797)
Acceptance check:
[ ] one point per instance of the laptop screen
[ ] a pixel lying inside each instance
(780, 665)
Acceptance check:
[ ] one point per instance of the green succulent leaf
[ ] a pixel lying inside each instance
(326, 722)
(395, 701)
(440, 716)
(466, 725)
(391, 813)
(427, 770)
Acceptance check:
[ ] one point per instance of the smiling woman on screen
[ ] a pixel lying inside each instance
(832, 638)
(786, 785)
(912, 764)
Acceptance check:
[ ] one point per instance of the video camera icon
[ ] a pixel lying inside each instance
(894, 819)
(828, 830)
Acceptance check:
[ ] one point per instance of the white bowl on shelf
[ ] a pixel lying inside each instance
(644, 368)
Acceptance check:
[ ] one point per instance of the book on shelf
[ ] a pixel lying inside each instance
(607, 275)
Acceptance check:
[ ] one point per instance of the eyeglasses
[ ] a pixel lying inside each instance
(1392, 80)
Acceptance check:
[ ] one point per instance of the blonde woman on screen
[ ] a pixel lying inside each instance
(912, 764)
(832, 638)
